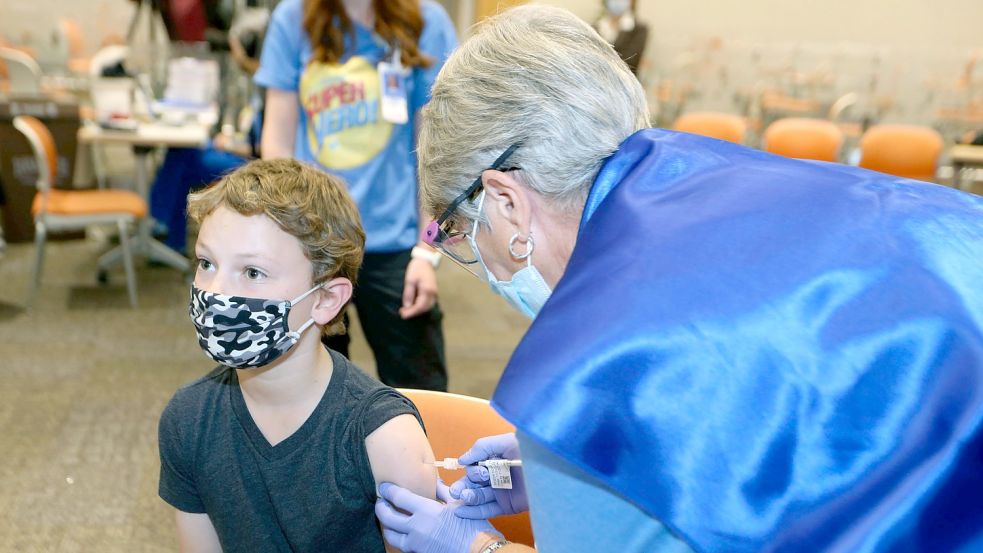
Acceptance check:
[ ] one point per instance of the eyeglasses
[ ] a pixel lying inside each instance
(453, 242)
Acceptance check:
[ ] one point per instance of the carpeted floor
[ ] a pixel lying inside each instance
(83, 379)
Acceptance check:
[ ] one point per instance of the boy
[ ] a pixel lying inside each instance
(281, 447)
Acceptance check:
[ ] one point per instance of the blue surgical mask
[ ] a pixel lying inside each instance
(526, 292)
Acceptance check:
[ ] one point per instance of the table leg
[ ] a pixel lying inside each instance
(83, 164)
(143, 174)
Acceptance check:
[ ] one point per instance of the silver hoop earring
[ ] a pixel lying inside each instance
(529, 248)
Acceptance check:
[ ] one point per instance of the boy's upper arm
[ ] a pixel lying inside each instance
(196, 533)
(399, 453)
(177, 481)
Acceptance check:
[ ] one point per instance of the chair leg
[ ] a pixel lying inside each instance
(40, 232)
(131, 281)
(99, 163)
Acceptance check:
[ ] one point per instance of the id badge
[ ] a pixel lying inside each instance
(392, 83)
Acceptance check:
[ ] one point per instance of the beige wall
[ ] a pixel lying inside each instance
(904, 23)
(37, 18)
(916, 49)
(918, 23)
(910, 52)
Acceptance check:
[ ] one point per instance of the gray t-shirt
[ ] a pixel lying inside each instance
(314, 491)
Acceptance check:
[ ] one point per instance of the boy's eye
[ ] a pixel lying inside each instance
(204, 264)
(253, 273)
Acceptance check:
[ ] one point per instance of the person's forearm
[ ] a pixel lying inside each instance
(273, 146)
(280, 122)
(251, 65)
(238, 148)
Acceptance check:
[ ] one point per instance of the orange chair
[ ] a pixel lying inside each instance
(453, 424)
(723, 126)
(804, 138)
(72, 210)
(903, 150)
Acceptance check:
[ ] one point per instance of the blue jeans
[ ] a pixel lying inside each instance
(185, 170)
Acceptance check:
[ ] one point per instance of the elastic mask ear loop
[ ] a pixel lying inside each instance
(305, 326)
(480, 206)
(299, 298)
(304, 295)
(472, 238)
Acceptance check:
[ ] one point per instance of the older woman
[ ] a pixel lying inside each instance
(731, 351)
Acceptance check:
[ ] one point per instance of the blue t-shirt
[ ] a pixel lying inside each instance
(572, 511)
(340, 126)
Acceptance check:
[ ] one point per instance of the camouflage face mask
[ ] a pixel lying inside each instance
(243, 333)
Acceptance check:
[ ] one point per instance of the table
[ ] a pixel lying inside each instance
(963, 156)
(144, 139)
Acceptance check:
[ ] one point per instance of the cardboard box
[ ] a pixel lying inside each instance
(18, 169)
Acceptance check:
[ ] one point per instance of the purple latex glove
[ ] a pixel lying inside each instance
(480, 500)
(430, 526)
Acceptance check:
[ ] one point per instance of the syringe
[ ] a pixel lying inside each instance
(450, 463)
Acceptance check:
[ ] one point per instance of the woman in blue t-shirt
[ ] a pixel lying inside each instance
(321, 66)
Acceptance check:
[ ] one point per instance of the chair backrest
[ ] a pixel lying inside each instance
(43, 145)
(804, 138)
(903, 150)
(23, 73)
(723, 126)
(453, 424)
(841, 105)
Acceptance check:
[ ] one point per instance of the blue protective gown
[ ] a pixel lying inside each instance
(767, 354)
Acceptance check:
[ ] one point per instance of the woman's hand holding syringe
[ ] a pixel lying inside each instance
(491, 487)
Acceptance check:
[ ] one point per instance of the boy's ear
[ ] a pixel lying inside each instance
(330, 299)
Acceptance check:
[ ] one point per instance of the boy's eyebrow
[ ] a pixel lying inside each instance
(201, 246)
(254, 256)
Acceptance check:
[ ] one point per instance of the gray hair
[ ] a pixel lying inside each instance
(536, 75)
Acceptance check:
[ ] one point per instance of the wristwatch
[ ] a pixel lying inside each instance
(433, 256)
(495, 546)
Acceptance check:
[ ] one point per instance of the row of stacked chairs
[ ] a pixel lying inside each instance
(908, 151)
